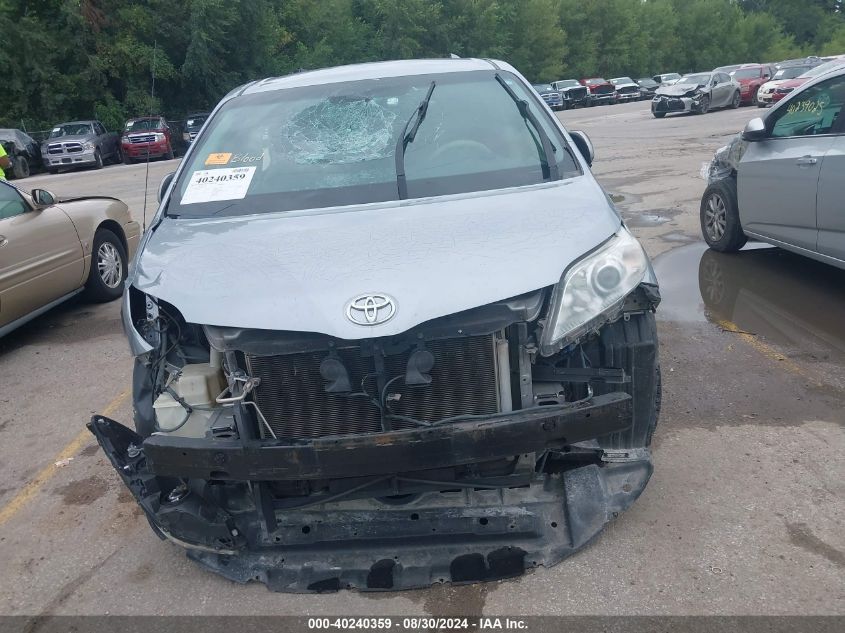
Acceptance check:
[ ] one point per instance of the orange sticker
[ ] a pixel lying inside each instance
(218, 159)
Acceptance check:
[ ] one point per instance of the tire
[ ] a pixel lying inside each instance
(754, 100)
(659, 115)
(169, 155)
(108, 268)
(705, 105)
(719, 217)
(98, 160)
(737, 99)
(127, 160)
(20, 167)
(117, 157)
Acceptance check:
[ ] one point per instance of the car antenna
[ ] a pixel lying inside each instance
(147, 168)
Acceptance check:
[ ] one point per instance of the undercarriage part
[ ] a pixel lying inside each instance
(454, 452)
(442, 445)
(443, 532)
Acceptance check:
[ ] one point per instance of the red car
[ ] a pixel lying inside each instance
(146, 136)
(601, 90)
(750, 78)
(786, 87)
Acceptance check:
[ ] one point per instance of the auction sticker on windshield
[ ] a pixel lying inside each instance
(210, 185)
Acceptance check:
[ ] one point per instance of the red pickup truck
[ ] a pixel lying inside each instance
(601, 90)
(146, 136)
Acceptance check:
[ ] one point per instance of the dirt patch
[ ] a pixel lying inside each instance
(91, 449)
(83, 492)
(801, 535)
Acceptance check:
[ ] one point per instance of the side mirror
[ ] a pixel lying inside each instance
(165, 183)
(584, 145)
(755, 130)
(42, 198)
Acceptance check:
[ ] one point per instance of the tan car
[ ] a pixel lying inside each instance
(52, 249)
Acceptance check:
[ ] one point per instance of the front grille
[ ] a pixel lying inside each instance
(669, 105)
(602, 90)
(629, 90)
(576, 93)
(292, 396)
(55, 148)
(192, 135)
(73, 148)
(145, 138)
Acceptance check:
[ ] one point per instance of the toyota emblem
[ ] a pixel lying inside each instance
(372, 309)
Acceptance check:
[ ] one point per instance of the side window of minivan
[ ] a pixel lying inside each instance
(815, 111)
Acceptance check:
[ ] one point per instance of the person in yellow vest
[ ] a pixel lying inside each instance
(5, 162)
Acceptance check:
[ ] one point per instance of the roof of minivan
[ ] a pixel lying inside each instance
(374, 70)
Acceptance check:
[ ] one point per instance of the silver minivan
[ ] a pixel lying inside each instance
(781, 181)
(384, 338)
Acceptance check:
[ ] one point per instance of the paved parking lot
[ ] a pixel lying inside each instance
(744, 513)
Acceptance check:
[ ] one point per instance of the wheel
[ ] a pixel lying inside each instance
(127, 160)
(169, 155)
(705, 105)
(760, 104)
(118, 156)
(659, 115)
(719, 215)
(754, 97)
(108, 267)
(736, 100)
(98, 160)
(20, 168)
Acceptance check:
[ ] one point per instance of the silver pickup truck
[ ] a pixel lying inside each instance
(80, 144)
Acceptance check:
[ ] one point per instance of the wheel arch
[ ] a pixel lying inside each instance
(114, 227)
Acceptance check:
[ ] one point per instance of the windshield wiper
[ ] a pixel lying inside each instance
(547, 160)
(408, 137)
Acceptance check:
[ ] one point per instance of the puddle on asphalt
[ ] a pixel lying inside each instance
(644, 220)
(788, 299)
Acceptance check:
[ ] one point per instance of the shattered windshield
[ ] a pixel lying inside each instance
(335, 144)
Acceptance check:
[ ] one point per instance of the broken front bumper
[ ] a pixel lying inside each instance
(214, 497)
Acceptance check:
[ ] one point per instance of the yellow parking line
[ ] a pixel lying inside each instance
(767, 351)
(45, 474)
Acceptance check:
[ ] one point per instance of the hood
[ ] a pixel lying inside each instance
(626, 85)
(298, 271)
(677, 90)
(771, 85)
(78, 138)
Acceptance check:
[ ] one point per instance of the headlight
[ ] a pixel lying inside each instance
(89, 145)
(125, 139)
(159, 137)
(592, 289)
(186, 137)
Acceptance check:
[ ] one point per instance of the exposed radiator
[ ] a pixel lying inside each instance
(292, 396)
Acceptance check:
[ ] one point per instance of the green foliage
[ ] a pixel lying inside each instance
(68, 59)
